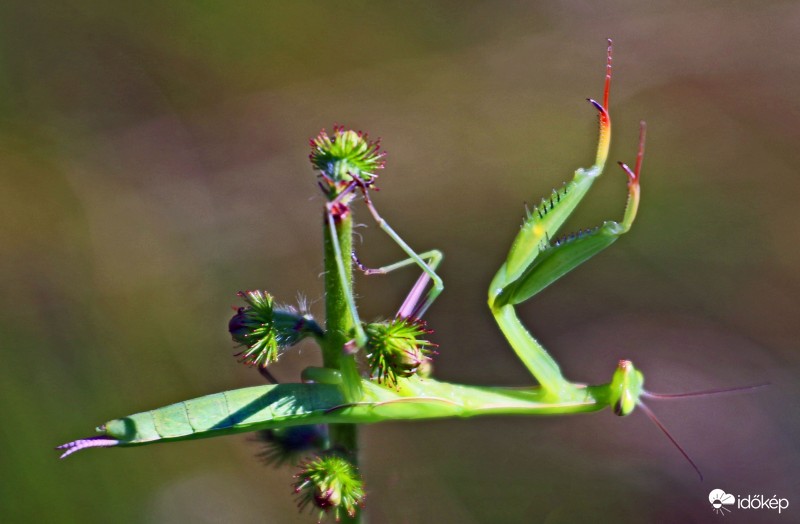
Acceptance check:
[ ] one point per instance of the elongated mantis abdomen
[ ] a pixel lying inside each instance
(282, 405)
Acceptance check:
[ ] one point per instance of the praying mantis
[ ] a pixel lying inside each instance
(338, 393)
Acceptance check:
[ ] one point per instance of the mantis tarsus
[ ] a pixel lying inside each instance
(342, 396)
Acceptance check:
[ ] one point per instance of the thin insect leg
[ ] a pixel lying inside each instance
(360, 336)
(361, 267)
(412, 301)
(336, 202)
(605, 119)
(432, 258)
(267, 375)
(438, 285)
(633, 181)
(409, 307)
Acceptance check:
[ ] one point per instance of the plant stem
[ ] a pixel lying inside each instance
(339, 323)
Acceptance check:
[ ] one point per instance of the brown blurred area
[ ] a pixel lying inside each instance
(153, 160)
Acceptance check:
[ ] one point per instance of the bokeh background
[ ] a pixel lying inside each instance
(153, 160)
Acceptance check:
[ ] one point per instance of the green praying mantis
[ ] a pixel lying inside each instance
(398, 389)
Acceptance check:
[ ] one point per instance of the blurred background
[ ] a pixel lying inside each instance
(154, 162)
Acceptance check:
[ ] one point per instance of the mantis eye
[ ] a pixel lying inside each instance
(625, 389)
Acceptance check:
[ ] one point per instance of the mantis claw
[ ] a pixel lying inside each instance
(632, 205)
(598, 106)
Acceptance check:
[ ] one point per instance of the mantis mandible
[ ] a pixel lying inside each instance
(342, 396)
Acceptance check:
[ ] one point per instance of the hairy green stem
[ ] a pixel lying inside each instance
(339, 328)
(338, 321)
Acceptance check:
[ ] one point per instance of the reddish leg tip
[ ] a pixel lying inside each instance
(607, 87)
(633, 176)
(597, 105)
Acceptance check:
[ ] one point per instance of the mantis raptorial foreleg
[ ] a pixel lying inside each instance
(535, 260)
(562, 255)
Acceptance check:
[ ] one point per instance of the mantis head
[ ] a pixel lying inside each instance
(624, 394)
(625, 389)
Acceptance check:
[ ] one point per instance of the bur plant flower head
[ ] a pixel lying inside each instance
(265, 330)
(343, 157)
(331, 483)
(397, 348)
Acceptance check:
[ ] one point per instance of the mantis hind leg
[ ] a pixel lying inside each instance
(412, 307)
(409, 307)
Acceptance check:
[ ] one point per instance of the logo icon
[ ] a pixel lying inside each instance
(719, 499)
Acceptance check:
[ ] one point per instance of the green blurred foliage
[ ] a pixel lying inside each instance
(154, 163)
